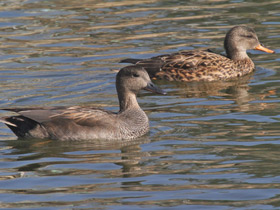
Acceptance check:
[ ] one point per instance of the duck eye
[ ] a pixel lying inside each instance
(135, 75)
(248, 36)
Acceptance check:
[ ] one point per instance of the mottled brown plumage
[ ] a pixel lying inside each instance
(89, 123)
(199, 65)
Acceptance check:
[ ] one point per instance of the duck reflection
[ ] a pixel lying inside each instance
(217, 88)
(237, 90)
(38, 156)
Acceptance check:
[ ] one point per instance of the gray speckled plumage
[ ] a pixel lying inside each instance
(89, 123)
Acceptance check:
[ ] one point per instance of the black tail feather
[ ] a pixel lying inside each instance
(20, 125)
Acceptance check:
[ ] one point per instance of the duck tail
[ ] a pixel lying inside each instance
(130, 60)
(20, 125)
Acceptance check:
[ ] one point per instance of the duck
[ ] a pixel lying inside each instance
(89, 123)
(205, 65)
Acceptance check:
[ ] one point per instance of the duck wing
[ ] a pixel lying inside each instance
(56, 122)
(194, 65)
(38, 114)
(184, 65)
(85, 116)
(184, 61)
(80, 115)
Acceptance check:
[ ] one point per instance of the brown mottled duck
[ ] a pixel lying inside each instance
(89, 123)
(199, 65)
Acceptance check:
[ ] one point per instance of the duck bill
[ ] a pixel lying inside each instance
(262, 48)
(153, 88)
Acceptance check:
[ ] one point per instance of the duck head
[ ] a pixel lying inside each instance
(133, 79)
(242, 38)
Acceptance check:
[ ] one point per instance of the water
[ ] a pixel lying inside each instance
(211, 145)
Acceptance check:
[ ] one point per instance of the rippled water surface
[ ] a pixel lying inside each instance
(211, 145)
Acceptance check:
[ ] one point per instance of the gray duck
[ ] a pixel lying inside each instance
(89, 123)
(200, 65)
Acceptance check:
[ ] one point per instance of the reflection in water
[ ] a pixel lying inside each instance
(211, 145)
(234, 88)
(87, 162)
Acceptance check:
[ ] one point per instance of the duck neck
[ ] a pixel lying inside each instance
(237, 54)
(234, 50)
(127, 100)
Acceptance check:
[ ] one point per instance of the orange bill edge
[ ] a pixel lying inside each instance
(262, 48)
